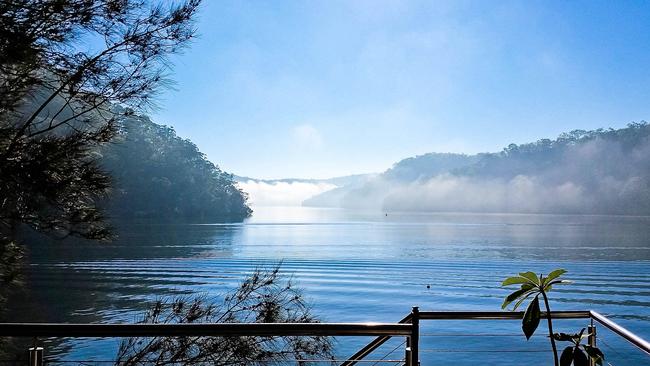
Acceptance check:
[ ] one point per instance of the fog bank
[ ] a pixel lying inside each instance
(586, 172)
(282, 193)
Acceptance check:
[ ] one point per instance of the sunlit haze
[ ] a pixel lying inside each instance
(312, 89)
(309, 168)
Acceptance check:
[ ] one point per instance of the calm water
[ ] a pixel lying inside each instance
(361, 266)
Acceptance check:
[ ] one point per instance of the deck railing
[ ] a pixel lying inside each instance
(42, 330)
(416, 316)
(408, 327)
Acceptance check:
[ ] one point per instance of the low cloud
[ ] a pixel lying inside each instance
(282, 193)
(522, 194)
(594, 177)
(519, 194)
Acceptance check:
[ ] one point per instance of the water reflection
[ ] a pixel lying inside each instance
(64, 284)
(338, 233)
(354, 266)
(143, 240)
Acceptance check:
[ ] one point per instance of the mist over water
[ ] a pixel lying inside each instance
(521, 194)
(282, 193)
(587, 176)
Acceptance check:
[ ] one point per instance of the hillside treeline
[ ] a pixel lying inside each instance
(604, 171)
(157, 174)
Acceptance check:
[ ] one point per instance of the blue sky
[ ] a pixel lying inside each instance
(327, 88)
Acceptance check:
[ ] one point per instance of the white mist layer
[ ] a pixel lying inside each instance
(598, 177)
(282, 193)
(520, 194)
(525, 194)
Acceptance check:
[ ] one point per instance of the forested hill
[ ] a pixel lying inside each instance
(428, 166)
(157, 174)
(368, 191)
(600, 172)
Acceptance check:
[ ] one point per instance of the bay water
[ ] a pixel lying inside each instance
(356, 266)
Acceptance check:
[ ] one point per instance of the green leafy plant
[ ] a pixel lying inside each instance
(578, 353)
(534, 287)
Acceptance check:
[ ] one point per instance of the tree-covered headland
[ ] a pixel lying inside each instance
(74, 77)
(156, 174)
(604, 171)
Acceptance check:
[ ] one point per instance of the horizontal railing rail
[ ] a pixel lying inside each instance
(209, 329)
(639, 342)
(368, 348)
(497, 315)
(408, 327)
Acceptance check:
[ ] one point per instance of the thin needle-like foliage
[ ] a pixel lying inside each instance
(263, 297)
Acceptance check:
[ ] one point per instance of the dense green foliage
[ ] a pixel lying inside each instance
(428, 166)
(56, 97)
(578, 354)
(158, 174)
(615, 152)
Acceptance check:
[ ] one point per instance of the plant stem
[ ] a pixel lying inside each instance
(550, 328)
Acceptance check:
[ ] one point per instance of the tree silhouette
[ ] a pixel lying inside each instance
(263, 297)
(157, 174)
(64, 67)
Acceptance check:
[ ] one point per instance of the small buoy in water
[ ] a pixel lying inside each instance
(428, 286)
(386, 215)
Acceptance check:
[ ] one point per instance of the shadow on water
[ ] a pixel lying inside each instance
(56, 262)
(140, 240)
(62, 286)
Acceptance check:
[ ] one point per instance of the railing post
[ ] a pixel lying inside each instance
(415, 336)
(407, 352)
(36, 356)
(591, 330)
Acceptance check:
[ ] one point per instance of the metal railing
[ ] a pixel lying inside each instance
(42, 330)
(209, 329)
(416, 316)
(370, 347)
(408, 327)
(637, 341)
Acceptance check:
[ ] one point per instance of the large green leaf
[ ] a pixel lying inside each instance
(580, 357)
(530, 276)
(531, 318)
(528, 286)
(555, 274)
(578, 337)
(563, 337)
(514, 296)
(595, 353)
(548, 286)
(515, 280)
(567, 356)
(559, 282)
(522, 299)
